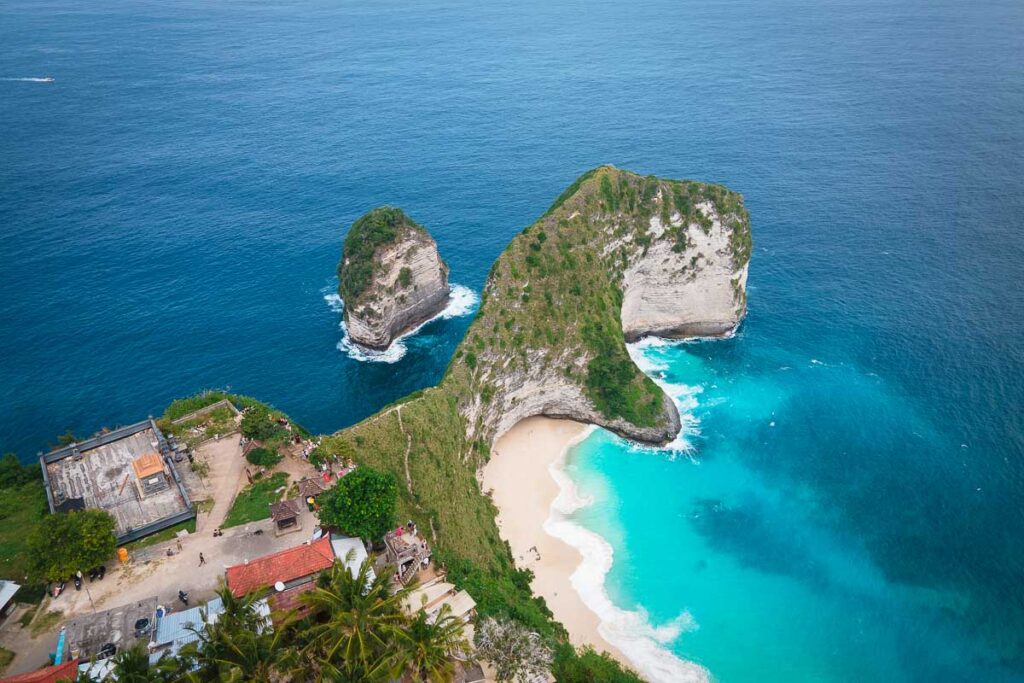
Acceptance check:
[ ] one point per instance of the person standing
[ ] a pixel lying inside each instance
(202, 560)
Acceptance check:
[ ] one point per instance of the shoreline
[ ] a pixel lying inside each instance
(534, 496)
(519, 479)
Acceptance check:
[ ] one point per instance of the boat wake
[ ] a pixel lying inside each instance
(631, 631)
(463, 301)
(41, 79)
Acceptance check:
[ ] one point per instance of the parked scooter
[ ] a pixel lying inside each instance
(58, 588)
(78, 581)
(183, 596)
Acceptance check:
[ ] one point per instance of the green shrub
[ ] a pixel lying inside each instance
(361, 504)
(263, 456)
(371, 231)
(66, 543)
(258, 423)
(585, 665)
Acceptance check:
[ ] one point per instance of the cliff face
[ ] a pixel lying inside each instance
(391, 278)
(618, 255)
(699, 291)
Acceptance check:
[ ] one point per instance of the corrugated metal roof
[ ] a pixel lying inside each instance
(7, 591)
(175, 629)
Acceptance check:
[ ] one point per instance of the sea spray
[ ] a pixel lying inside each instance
(683, 395)
(631, 631)
(462, 301)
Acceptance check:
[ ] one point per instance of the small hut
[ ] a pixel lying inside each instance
(285, 514)
(149, 474)
(309, 491)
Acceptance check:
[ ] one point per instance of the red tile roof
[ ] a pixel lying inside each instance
(68, 671)
(287, 565)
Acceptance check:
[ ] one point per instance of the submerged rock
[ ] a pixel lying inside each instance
(390, 277)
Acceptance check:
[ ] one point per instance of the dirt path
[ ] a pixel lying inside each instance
(227, 478)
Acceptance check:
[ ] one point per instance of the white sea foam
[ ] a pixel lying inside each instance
(463, 301)
(40, 79)
(683, 395)
(631, 631)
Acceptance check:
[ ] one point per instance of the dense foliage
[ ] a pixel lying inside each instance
(355, 631)
(262, 456)
(370, 232)
(66, 543)
(260, 424)
(13, 474)
(22, 508)
(361, 504)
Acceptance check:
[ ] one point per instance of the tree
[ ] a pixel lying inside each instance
(133, 666)
(13, 473)
(361, 504)
(516, 653)
(258, 423)
(66, 543)
(426, 647)
(357, 621)
(241, 646)
(263, 456)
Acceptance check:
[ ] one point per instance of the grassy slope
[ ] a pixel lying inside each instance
(21, 509)
(551, 289)
(253, 502)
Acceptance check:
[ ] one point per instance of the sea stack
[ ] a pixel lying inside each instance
(390, 277)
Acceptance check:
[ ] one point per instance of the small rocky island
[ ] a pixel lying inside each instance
(390, 277)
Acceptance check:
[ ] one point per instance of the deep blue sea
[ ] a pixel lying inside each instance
(851, 506)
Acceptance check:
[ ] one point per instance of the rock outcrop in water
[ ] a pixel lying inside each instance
(617, 257)
(390, 277)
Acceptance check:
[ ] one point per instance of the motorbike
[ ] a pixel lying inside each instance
(78, 581)
(58, 588)
(183, 596)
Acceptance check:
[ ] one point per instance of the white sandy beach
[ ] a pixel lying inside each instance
(523, 489)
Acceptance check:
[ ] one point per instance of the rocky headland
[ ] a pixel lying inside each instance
(617, 257)
(390, 277)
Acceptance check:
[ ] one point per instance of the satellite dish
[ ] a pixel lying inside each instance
(279, 586)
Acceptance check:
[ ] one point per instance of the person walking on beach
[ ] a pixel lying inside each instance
(202, 560)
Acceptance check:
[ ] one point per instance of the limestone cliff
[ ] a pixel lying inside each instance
(390, 277)
(619, 256)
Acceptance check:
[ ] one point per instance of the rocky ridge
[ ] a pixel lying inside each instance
(391, 278)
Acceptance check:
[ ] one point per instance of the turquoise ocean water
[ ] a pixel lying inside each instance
(849, 507)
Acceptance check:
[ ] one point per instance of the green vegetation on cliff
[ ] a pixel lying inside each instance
(371, 231)
(550, 308)
(551, 303)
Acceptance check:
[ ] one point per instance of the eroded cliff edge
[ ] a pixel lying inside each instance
(390, 277)
(617, 257)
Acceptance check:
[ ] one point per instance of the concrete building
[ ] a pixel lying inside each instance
(129, 473)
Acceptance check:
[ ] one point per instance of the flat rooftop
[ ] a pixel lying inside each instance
(103, 473)
(87, 634)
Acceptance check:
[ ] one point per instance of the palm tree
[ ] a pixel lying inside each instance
(426, 648)
(356, 619)
(242, 645)
(132, 666)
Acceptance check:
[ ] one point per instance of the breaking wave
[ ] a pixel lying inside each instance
(683, 395)
(39, 79)
(631, 631)
(463, 301)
